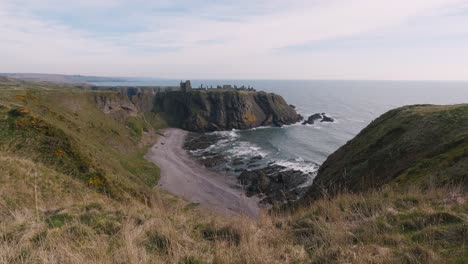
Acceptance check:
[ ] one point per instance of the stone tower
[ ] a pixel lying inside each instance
(185, 86)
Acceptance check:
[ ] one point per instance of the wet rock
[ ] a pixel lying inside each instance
(311, 120)
(211, 161)
(327, 119)
(195, 141)
(276, 183)
(253, 165)
(238, 162)
(318, 116)
(255, 159)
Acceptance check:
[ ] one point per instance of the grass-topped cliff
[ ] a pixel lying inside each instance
(423, 145)
(210, 110)
(75, 188)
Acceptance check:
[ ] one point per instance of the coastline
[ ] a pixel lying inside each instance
(185, 177)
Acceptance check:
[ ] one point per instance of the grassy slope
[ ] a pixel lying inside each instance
(388, 226)
(52, 211)
(424, 145)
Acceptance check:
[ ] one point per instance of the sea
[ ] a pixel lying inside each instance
(352, 104)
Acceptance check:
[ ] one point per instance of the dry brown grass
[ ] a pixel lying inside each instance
(78, 225)
(389, 226)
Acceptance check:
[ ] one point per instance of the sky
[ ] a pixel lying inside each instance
(242, 39)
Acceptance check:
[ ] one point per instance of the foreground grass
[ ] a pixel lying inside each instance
(47, 217)
(390, 226)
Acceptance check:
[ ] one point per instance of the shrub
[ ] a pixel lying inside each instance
(156, 243)
(58, 220)
(222, 234)
(193, 260)
(102, 222)
(18, 112)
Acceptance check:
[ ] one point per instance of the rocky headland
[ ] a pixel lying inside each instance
(216, 110)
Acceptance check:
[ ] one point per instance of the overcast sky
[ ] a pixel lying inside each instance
(242, 39)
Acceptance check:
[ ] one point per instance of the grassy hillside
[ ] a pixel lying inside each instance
(423, 145)
(74, 188)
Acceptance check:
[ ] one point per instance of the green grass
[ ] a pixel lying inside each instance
(156, 242)
(58, 220)
(421, 145)
(64, 128)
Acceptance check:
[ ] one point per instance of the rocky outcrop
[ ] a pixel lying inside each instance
(327, 119)
(224, 110)
(421, 145)
(115, 103)
(315, 117)
(275, 183)
(311, 120)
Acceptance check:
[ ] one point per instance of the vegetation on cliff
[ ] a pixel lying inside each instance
(54, 139)
(75, 188)
(201, 110)
(424, 145)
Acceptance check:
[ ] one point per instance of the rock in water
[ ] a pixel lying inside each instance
(205, 110)
(327, 119)
(322, 117)
(311, 120)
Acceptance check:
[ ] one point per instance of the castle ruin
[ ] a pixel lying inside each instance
(185, 86)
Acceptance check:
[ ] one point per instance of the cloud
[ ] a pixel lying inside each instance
(231, 39)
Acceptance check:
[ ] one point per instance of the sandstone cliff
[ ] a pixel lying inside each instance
(421, 145)
(224, 110)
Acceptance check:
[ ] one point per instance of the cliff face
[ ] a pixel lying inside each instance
(115, 103)
(422, 145)
(224, 110)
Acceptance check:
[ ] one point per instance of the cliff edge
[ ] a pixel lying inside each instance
(202, 110)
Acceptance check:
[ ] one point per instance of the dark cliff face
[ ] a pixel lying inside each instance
(224, 110)
(420, 145)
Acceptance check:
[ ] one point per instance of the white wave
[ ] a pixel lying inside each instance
(299, 159)
(305, 167)
(233, 134)
(299, 165)
(299, 123)
(243, 148)
(260, 127)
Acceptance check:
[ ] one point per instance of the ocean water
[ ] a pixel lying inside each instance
(353, 105)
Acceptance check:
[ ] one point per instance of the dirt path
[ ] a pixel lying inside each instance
(184, 177)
